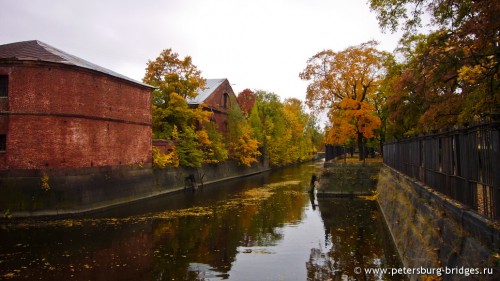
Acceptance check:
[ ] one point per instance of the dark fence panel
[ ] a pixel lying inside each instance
(463, 164)
(333, 151)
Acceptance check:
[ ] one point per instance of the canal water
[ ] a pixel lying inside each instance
(262, 227)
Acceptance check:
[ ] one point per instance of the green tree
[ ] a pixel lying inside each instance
(382, 95)
(272, 119)
(286, 133)
(257, 127)
(188, 149)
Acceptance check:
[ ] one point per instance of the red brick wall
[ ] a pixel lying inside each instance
(216, 100)
(65, 117)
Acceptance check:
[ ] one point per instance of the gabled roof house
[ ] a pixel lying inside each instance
(218, 97)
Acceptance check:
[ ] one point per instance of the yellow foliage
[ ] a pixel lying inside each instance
(471, 74)
(161, 160)
(247, 148)
(203, 138)
(205, 145)
(175, 133)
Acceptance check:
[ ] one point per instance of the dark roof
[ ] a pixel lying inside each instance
(35, 50)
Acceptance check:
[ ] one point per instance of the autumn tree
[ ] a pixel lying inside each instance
(451, 75)
(171, 74)
(214, 147)
(419, 98)
(343, 83)
(286, 133)
(242, 146)
(175, 80)
(246, 100)
(302, 131)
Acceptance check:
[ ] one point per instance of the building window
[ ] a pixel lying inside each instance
(4, 85)
(3, 142)
(226, 99)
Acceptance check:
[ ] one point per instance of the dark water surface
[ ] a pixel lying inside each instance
(263, 227)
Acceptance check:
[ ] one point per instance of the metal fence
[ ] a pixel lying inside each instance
(463, 164)
(333, 151)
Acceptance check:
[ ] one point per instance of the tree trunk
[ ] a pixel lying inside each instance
(361, 147)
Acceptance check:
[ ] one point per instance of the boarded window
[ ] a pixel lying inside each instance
(4, 85)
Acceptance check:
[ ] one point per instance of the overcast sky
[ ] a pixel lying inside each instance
(256, 44)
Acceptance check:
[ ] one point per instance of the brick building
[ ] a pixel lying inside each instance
(217, 97)
(60, 111)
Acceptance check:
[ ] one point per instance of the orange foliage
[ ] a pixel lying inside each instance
(345, 82)
(246, 149)
(351, 117)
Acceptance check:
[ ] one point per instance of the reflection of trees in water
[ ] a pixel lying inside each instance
(176, 237)
(321, 267)
(213, 240)
(355, 237)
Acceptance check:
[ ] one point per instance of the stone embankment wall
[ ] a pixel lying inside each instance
(431, 231)
(340, 179)
(75, 191)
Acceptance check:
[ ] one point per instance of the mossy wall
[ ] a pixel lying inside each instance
(431, 231)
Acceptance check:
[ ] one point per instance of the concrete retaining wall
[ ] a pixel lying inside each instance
(340, 179)
(431, 231)
(73, 191)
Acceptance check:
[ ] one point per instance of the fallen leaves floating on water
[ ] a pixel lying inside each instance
(250, 197)
(189, 212)
(256, 194)
(282, 184)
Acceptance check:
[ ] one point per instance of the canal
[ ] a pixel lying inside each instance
(262, 227)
